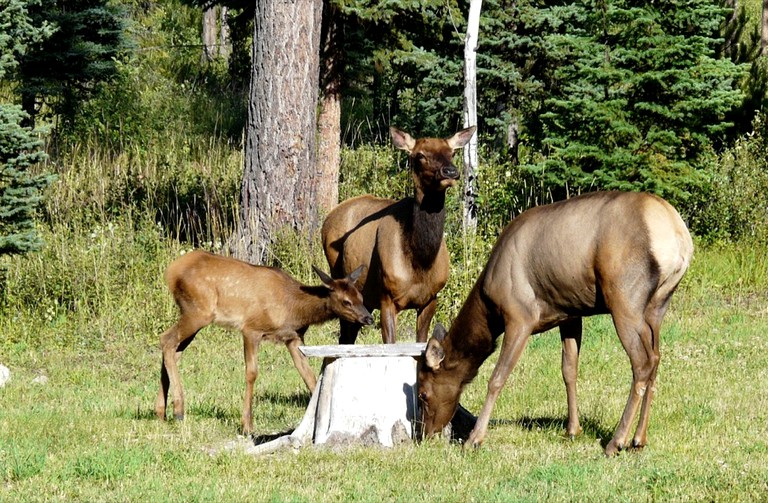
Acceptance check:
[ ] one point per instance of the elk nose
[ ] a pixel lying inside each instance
(368, 319)
(449, 171)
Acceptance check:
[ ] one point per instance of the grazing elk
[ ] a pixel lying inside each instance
(400, 242)
(262, 302)
(613, 253)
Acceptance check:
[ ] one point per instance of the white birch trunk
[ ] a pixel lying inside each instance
(470, 115)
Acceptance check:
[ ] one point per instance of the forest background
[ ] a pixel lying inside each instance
(137, 155)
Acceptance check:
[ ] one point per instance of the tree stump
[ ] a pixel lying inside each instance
(365, 395)
(369, 400)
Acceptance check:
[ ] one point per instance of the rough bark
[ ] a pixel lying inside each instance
(280, 182)
(329, 120)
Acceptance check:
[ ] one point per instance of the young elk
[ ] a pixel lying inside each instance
(262, 302)
(613, 253)
(399, 242)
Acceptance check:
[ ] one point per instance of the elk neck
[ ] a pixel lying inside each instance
(311, 305)
(424, 230)
(473, 335)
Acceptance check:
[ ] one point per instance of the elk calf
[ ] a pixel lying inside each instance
(261, 302)
(613, 253)
(399, 242)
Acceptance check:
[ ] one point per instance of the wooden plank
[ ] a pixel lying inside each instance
(364, 350)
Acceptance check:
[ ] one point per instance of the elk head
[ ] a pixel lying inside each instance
(439, 391)
(431, 159)
(346, 301)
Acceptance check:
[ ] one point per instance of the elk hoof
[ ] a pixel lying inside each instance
(613, 449)
(572, 433)
(178, 417)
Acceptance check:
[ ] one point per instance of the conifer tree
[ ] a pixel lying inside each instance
(639, 96)
(64, 69)
(20, 148)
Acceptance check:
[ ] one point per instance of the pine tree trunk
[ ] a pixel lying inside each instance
(280, 182)
(329, 120)
(470, 115)
(210, 32)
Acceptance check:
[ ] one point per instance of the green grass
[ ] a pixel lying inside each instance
(90, 434)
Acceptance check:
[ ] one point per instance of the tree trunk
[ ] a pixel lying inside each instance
(210, 32)
(764, 30)
(470, 115)
(513, 141)
(731, 32)
(280, 182)
(329, 120)
(225, 43)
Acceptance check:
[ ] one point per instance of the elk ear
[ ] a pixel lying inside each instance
(401, 139)
(461, 138)
(355, 275)
(439, 332)
(327, 280)
(434, 354)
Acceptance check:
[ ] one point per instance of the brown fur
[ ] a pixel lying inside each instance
(261, 302)
(613, 253)
(400, 243)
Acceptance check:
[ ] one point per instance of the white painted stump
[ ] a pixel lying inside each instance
(368, 400)
(366, 394)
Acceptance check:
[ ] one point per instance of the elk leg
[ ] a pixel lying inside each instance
(388, 320)
(251, 342)
(515, 339)
(348, 332)
(654, 322)
(570, 335)
(301, 363)
(632, 333)
(423, 319)
(165, 383)
(173, 343)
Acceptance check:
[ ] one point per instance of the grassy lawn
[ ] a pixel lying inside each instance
(89, 433)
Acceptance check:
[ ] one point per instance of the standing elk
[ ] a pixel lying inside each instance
(261, 302)
(400, 242)
(613, 253)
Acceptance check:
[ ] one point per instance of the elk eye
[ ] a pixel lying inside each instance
(347, 303)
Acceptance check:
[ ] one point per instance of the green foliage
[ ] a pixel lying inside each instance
(66, 68)
(161, 94)
(641, 97)
(17, 32)
(20, 188)
(734, 203)
(403, 60)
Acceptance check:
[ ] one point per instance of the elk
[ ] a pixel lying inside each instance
(613, 253)
(262, 302)
(400, 243)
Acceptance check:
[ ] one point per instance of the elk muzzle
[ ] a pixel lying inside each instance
(367, 319)
(449, 172)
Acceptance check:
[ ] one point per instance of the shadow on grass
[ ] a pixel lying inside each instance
(297, 399)
(268, 437)
(590, 427)
(229, 417)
